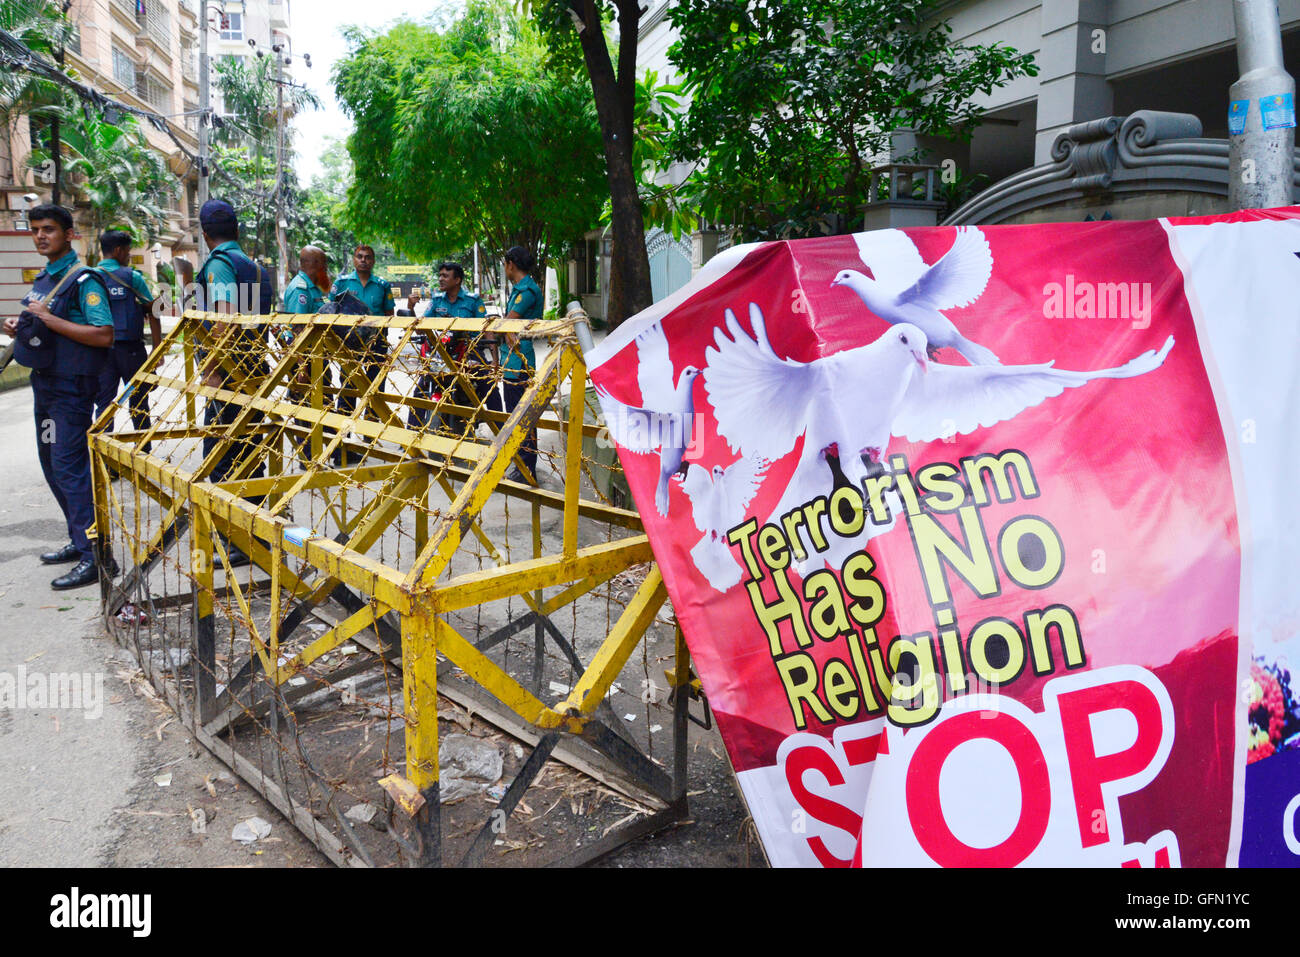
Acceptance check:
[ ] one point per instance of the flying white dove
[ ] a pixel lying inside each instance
(664, 420)
(905, 289)
(850, 403)
(719, 498)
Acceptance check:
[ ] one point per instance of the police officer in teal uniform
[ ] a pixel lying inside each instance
(465, 348)
(304, 294)
(518, 360)
(130, 301)
(230, 282)
(65, 343)
(377, 293)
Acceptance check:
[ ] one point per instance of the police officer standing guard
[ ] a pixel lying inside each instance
(231, 282)
(377, 294)
(130, 300)
(474, 357)
(518, 359)
(63, 336)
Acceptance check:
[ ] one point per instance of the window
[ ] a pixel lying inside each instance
(123, 70)
(158, 22)
(152, 92)
(232, 26)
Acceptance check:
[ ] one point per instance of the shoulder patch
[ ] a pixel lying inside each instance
(302, 299)
(92, 299)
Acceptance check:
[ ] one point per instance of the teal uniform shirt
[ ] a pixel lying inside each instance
(466, 306)
(377, 294)
(219, 276)
(90, 306)
(526, 299)
(302, 296)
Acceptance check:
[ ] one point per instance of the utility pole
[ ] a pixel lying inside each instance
(205, 98)
(1261, 164)
(56, 137)
(281, 244)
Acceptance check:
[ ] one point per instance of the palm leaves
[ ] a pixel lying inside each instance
(112, 169)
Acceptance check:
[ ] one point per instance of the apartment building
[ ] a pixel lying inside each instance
(142, 53)
(241, 28)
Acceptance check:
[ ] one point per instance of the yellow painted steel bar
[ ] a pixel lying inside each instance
(345, 630)
(578, 589)
(573, 451)
(626, 634)
(493, 552)
(232, 585)
(504, 688)
(327, 478)
(489, 584)
(532, 328)
(621, 517)
(468, 451)
(479, 486)
(420, 639)
(337, 561)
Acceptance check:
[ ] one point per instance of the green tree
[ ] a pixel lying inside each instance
(466, 136)
(321, 207)
(792, 101)
(43, 28)
(244, 147)
(112, 169)
(584, 23)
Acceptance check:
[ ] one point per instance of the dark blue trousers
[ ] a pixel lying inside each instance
(514, 392)
(124, 360)
(63, 406)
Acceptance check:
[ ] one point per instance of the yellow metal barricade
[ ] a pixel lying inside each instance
(407, 623)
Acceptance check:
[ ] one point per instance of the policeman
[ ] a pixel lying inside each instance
(518, 360)
(230, 282)
(303, 296)
(465, 348)
(377, 294)
(130, 300)
(64, 336)
(306, 291)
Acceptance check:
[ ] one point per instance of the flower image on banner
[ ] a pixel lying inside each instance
(981, 537)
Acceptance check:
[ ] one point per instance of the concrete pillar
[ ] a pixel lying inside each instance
(1072, 83)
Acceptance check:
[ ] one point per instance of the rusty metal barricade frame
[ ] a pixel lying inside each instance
(401, 617)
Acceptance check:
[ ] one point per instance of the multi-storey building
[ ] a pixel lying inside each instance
(141, 53)
(241, 28)
(145, 53)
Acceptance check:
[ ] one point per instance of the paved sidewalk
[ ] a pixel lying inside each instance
(77, 787)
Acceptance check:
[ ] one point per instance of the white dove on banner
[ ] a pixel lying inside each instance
(665, 418)
(905, 289)
(850, 403)
(719, 498)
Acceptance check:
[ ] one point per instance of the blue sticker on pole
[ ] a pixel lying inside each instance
(1278, 111)
(297, 535)
(1238, 110)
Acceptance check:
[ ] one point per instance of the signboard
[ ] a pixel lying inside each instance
(982, 538)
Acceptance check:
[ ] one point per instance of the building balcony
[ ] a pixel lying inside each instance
(279, 14)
